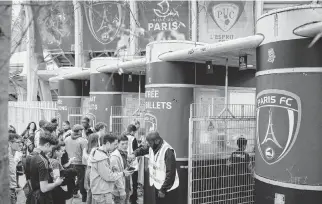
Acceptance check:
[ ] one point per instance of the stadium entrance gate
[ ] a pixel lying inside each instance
(215, 178)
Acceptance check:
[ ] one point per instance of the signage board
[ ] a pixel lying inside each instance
(225, 20)
(163, 20)
(106, 25)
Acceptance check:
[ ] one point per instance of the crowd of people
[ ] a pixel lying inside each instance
(61, 164)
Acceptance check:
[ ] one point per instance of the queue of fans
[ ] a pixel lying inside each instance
(79, 161)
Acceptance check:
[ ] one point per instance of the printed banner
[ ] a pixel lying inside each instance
(18, 24)
(163, 20)
(225, 20)
(56, 25)
(106, 25)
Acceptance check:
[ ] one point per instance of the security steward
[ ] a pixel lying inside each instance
(162, 168)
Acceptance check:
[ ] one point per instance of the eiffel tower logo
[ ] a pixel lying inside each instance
(270, 136)
(105, 22)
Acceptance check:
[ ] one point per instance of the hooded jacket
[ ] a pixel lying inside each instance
(74, 147)
(102, 177)
(118, 164)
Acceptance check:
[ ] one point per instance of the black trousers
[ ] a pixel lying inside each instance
(171, 197)
(134, 196)
(80, 169)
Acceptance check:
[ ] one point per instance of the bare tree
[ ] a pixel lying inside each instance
(5, 33)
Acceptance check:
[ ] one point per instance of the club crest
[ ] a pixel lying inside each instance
(104, 19)
(278, 123)
(226, 14)
(150, 122)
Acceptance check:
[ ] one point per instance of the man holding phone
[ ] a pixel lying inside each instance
(119, 163)
(103, 175)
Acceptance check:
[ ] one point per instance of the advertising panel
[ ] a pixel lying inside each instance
(163, 20)
(106, 25)
(55, 23)
(225, 20)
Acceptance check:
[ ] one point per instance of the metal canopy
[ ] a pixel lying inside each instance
(133, 66)
(309, 30)
(219, 52)
(73, 73)
(83, 74)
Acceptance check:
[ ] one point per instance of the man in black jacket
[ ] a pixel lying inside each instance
(162, 168)
(87, 128)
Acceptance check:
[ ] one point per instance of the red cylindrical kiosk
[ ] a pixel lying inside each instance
(105, 91)
(70, 93)
(168, 95)
(289, 79)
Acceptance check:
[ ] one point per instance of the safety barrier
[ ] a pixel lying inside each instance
(215, 177)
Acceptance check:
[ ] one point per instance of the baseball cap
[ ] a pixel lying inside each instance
(77, 127)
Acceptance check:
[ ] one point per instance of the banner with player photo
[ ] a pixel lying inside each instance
(163, 20)
(225, 20)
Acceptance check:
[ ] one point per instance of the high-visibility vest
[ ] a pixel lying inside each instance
(135, 163)
(157, 167)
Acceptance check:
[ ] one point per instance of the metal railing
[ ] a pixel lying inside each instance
(215, 175)
(21, 113)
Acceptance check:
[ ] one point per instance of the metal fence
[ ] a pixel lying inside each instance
(75, 115)
(21, 113)
(218, 172)
(122, 116)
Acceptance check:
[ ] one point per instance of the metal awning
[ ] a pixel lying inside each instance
(73, 73)
(133, 66)
(219, 52)
(82, 74)
(309, 30)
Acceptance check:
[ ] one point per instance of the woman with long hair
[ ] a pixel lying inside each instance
(64, 193)
(30, 129)
(29, 136)
(92, 144)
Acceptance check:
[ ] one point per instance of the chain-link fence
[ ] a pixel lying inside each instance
(220, 170)
(21, 113)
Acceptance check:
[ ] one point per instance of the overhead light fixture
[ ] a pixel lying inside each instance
(210, 68)
(243, 63)
(120, 71)
(129, 78)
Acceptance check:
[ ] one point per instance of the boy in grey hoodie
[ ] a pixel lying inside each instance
(102, 176)
(119, 162)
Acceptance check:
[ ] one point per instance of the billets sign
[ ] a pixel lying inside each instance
(163, 20)
(106, 25)
(225, 20)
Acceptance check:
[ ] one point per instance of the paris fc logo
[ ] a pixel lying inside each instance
(104, 19)
(278, 123)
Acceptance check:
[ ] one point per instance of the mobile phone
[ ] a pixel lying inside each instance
(131, 168)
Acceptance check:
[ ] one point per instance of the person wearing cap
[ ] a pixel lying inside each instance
(75, 144)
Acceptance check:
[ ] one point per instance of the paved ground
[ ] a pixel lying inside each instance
(22, 199)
